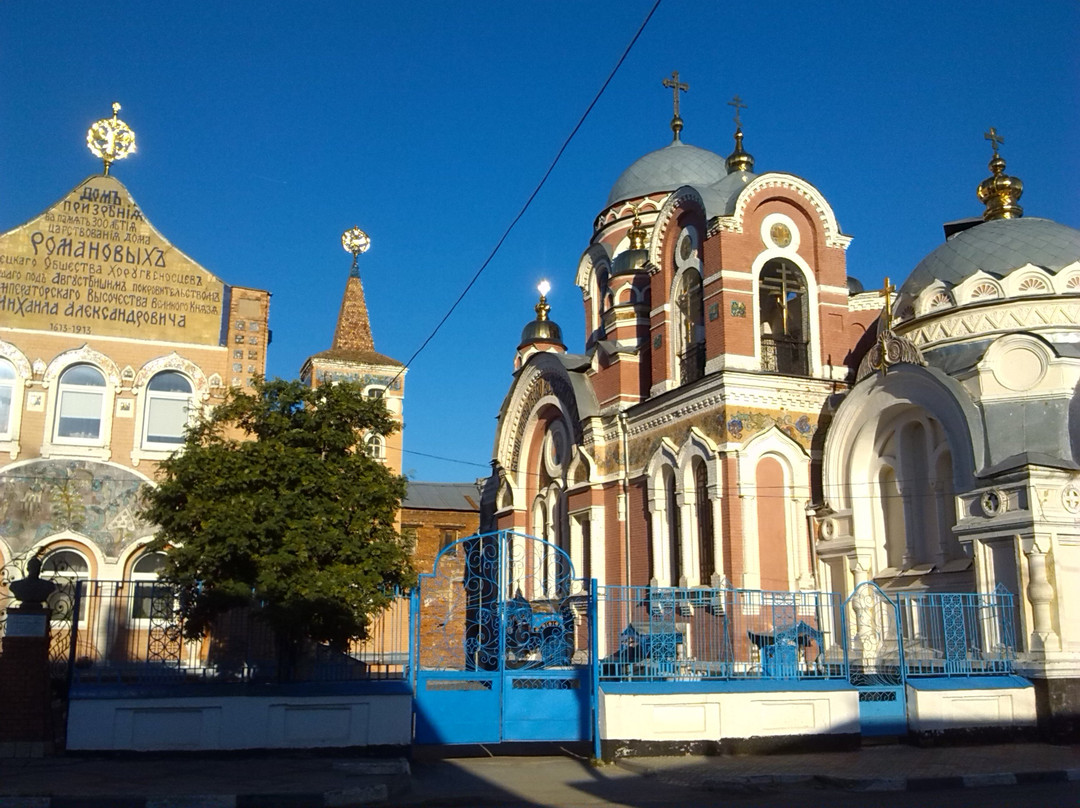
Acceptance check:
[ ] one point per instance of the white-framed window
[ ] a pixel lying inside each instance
(7, 395)
(80, 405)
(375, 446)
(145, 588)
(66, 568)
(167, 410)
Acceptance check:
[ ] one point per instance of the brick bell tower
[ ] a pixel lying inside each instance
(352, 356)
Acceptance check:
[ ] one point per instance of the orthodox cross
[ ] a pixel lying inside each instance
(994, 138)
(676, 86)
(886, 323)
(739, 105)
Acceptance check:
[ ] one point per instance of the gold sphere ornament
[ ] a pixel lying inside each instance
(355, 241)
(110, 139)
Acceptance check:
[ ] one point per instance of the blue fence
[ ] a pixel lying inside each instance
(667, 634)
(957, 634)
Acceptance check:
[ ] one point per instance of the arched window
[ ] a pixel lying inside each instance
(168, 408)
(375, 446)
(703, 506)
(80, 405)
(7, 391)
(145, 588)
(690, 337)
(65, 563)
(783, 323)
(674, 527)
(66, 568)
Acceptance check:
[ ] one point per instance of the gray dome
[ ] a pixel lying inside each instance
(666, 169)
(997, 247)
(719, 198)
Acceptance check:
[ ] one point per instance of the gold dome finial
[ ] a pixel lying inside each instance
(999, 192)
(355, 241)
(675, 85)
(739, 160)
(110, 139)
(638, 233)
(542, 308)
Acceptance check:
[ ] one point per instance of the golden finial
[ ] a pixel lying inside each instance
(675, 85)
(885, 327)
(542, 308)
(110, 139)
(739, 160)
(638, 233)
(999, 192)
(355, 241)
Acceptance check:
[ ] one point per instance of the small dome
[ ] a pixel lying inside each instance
(997, 247)
(719, 198)
(854, 286)
(666, 169)
(541, 331)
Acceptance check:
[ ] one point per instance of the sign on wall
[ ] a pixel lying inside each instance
(92, 264)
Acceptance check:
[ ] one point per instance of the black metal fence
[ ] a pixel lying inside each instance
(132, 632)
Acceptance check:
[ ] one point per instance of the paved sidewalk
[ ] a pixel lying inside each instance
(317, 781)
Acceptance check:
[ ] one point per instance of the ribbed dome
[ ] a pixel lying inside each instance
(997, 247)
(666, 169)
(541, 331)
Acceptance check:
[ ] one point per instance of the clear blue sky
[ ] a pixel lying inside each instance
(265, 129)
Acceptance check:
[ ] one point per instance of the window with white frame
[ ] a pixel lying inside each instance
(168, 408)
(145, 589)
(80, 403)
(66, 568)
(7, 392)
(375, 446)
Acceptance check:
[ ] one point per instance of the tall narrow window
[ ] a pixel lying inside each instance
(80, 402)
(674, 527)
(7, 390)
(785, 336)
(691, 321)
(375, 446)
(168, 407)
(705, 523)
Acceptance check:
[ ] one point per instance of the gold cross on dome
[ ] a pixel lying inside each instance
(886, 292)
(675, 86)
(994, 138)
(739, 105)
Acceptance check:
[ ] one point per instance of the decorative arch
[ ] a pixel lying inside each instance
(699, 474)
(75, 356)
(681, 199)
(595, 255)
(173, 361)
(825, 215)
(10, 431)
(774, 486)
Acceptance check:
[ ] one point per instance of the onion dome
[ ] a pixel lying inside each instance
(854, 286)
(739, 160)
(1000, 192)
(666, 169)
(542, 329)
(631, 260)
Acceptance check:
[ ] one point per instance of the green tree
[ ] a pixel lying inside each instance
(273, 503)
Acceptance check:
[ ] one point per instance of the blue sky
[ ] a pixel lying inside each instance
(265, 129)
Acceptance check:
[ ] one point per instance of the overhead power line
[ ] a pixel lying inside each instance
(533, 195)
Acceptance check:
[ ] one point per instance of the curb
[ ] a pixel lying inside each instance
(758, 782)
(344, 798)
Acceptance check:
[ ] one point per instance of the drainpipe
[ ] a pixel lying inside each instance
(626, 490)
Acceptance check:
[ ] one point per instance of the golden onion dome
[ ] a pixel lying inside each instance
(999, 192)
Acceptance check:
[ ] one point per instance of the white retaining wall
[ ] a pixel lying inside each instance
(239, 722)
(934, 710)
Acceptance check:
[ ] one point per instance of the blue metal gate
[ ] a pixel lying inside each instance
(875, 659)
(501, 644)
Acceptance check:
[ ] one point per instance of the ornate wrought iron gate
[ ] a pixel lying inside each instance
(876, 660)
(501, 644)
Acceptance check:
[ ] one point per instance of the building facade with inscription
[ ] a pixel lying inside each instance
(745, 414)
(110, 338)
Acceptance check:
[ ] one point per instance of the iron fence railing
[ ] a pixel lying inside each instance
(785, 355)
(131, 631)
(957, 634)
(661, 633)
(676, 634)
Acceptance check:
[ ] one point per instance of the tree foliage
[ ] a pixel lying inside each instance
(274, 502)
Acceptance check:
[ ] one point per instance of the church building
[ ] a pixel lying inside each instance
(745, 415)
